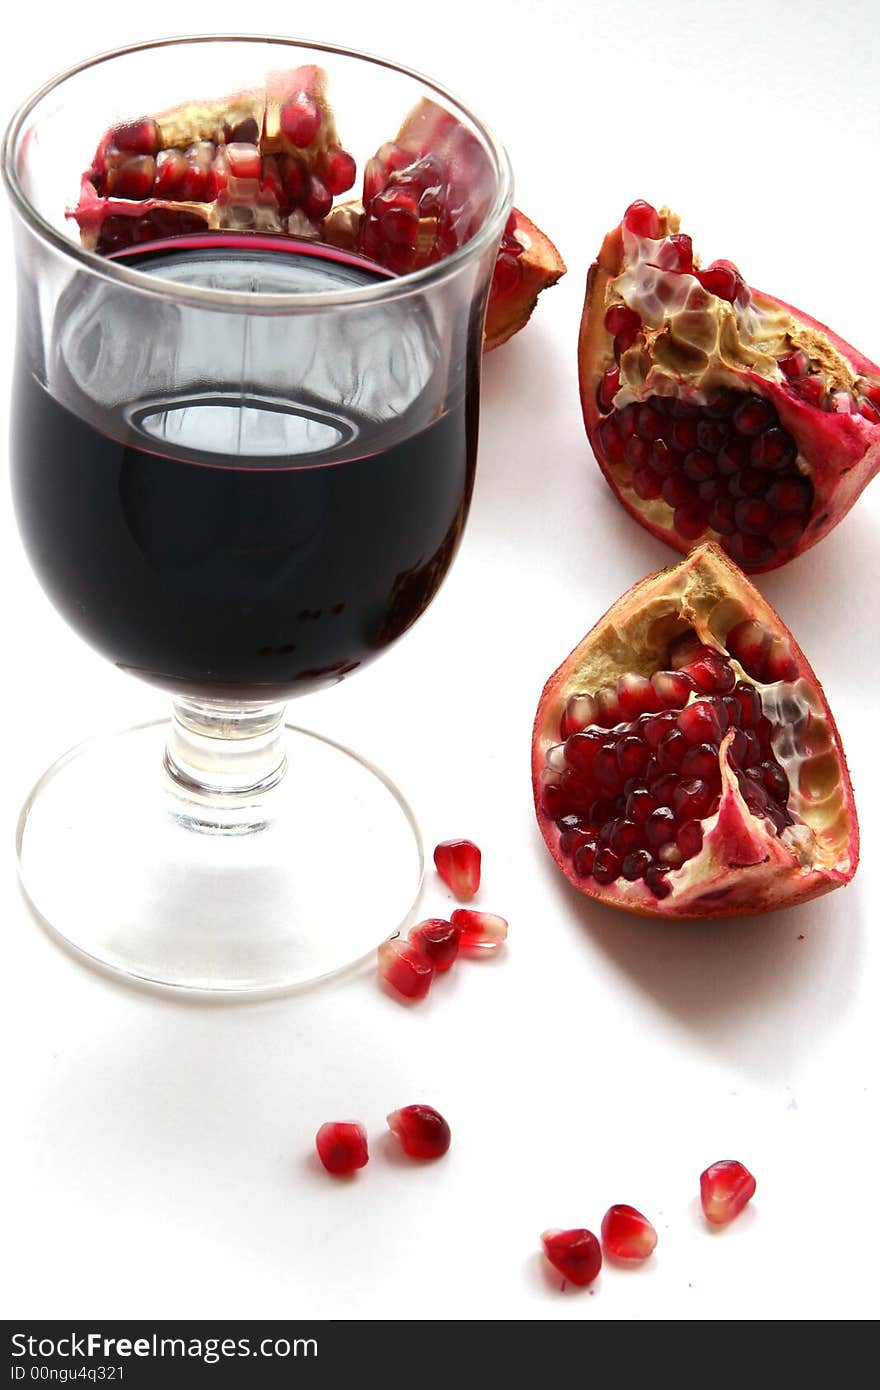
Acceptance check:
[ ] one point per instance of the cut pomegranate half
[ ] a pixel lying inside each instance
(270, 160)
(685, 761)
(715, 411)
(424, 196)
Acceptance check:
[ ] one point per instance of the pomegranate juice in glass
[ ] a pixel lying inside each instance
(243, 444)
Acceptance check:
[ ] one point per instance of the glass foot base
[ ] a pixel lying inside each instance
(116, 861)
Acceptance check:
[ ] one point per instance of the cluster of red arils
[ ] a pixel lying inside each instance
(628, 1236)
(408, 966)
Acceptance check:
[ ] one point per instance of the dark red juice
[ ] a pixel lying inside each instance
(267, 508)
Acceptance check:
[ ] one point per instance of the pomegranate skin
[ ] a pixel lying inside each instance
(741, 865)
(838, 449)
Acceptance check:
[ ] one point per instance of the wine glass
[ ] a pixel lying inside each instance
(242, 460)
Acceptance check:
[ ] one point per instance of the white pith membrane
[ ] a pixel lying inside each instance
(702, 342)
(694, 595)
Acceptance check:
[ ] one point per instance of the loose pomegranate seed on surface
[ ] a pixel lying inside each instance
(626, 1234)
(458, 864)
(725, 1188)
(480, 931)
(342, 1146)
(405, 969)
(437, 940)
(421, 1130)
(576, 1254)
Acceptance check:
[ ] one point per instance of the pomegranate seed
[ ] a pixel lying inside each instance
(656, 881)
(672, 687)
(576, 1254)
(723, 279)
(642, 220)
(300, 119)
(702, 720)
(811, 388)
(701, 762)
(405, 969)
(626, 1234)
(507, 276)
(170, 171)
(752, 416)
(244, 160)
(437, 940)
(689, 839)
(337, 169)
(623, 323)
(342, 1146)
(606, 866)
(422, 1131)
(580, 711)
(693, 800)
(676, 253)
(479, 930)
(794, 364)
(318, 200)
(585, 857)
(660, 827)
(137, 137)
(725, 1188)
(608, 386)
(639, 805)
(458, 864)
(690, 521)
(635, 865)
(132, 178)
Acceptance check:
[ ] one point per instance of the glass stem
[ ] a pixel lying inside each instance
(225, 752)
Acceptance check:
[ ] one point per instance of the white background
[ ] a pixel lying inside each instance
(157, 1159)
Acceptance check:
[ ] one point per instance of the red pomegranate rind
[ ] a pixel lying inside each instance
(425, 194)
(685, 762)
(261, 160)
(724, 416)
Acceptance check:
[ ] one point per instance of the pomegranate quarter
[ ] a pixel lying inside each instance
(717, 412)
(685, 762)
